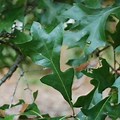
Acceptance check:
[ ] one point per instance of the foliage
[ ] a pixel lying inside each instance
(38, 29)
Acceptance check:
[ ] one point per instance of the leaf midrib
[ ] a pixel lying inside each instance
(56, 71)
(102, 108)
(103, 14)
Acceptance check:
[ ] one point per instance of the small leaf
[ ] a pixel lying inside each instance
(20, 37)
(89, 100)
(99, 111)
(117, 85)
(35, 94)
(4, 107)
(30, 108)
(102, 77)
(61, 82)
(86, 18)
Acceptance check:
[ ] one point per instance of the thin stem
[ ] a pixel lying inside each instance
(115, 64)
(21, 75)
(16, 63)
(97, 52)
(28, 88)
(11, 70)
(37, 114)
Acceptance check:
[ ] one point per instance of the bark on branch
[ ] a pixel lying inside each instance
(16, 64)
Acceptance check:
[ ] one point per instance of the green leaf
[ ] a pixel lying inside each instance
(82, 116)
(93, 3)
(32, 109)
(49, 45)
(102, 77)
(10, 117)
(35, 94)
(6, 106)
(114, 95)
(80, 48)
(20, 37)
(44, 49)
(117, 85)
(117, 50)
(114, 113)
(89, 100)
(115, 36)
(61, 81)
(51, 16)
(74, 39)
(92, 22)
(98, 112)
(8, 18)
(77, 62)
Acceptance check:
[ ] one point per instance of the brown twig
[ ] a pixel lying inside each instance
(16, 63)
(11, 70)
(98, 51)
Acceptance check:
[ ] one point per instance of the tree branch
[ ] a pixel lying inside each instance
(12, 69)
(16, 63)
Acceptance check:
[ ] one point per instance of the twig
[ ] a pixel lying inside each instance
(21, 75)
(28, 88)
(35, 70)
(11, 70)
(98, 51)
(16, 63)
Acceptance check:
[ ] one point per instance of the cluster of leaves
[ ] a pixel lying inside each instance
(26, 111)
(42, 41)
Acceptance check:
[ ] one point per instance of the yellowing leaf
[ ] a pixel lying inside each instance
(2, 113)
(24, 107)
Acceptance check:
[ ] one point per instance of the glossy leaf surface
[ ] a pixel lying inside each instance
(45, 50)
